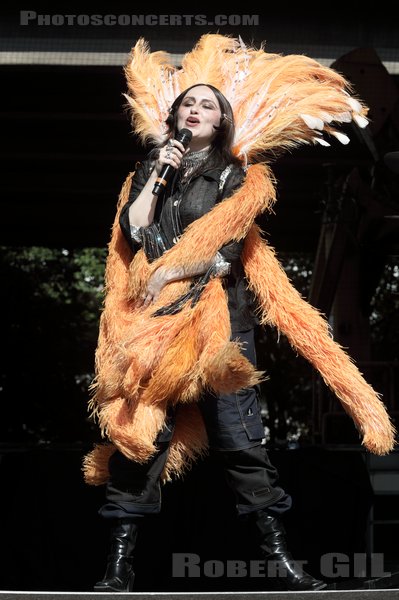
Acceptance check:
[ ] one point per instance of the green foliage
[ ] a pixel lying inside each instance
(50, 305)
(384, 318)
(287, 393)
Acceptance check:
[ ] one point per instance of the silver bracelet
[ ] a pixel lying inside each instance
(222, 266)
(136, 233)
(224, 175)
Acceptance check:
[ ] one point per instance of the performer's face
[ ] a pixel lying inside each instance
(199, 112)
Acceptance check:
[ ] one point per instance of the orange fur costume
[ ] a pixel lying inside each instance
(145, 364)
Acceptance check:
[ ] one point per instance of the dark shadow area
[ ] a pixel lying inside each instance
(53, 539)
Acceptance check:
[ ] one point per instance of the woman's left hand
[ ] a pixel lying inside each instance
(155, 285)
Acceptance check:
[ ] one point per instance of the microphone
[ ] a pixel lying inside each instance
(184, 136)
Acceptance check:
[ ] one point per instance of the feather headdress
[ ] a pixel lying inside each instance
(278, 102)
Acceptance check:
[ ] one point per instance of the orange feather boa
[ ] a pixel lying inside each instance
(145, 364)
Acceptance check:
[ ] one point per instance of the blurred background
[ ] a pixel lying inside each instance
(67, 146)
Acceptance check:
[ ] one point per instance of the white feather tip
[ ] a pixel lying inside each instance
(355, 105)
(361, 121)
(312, 122)
(321, 141)
(341, 137)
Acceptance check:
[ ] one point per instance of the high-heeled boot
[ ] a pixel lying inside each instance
(119, 574)
(279, 560)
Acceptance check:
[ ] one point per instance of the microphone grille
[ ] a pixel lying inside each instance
(184, 136)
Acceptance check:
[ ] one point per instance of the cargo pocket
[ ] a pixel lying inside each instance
(248, 405)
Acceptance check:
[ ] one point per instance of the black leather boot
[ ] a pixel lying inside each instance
(119, 575)
(279, 561)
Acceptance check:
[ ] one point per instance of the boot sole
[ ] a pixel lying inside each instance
(109, 588)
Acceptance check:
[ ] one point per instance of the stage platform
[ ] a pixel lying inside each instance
(351, 594)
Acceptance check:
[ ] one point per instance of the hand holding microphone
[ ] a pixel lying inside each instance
(170, 157)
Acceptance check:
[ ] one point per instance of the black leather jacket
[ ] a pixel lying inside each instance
(196, 198)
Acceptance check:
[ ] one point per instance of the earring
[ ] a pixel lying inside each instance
(227, 118)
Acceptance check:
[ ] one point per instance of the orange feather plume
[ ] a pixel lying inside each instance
(278, 102)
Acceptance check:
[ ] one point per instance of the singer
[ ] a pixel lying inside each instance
(195, 185)
(189, 277)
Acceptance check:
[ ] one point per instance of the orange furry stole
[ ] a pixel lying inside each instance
(145, 364)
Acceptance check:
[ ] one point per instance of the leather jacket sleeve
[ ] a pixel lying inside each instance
(139, 179)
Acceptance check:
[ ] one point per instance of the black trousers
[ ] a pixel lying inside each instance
(235, 432)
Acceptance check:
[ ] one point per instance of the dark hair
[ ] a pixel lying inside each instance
(222, 143)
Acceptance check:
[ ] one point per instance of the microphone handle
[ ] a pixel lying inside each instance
(162, 180)
(184, 136)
